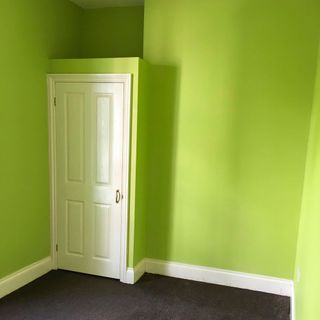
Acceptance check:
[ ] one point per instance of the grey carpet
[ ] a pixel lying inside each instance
(66, 295)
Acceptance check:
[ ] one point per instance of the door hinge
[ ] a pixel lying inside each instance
(57, 247)
(55, 101)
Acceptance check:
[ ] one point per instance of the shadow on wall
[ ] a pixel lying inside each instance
(163, 117)
(229, 134)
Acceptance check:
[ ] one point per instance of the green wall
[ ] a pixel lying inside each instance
(142, 180)
(307, 277)
(232, 96)
(222, 124)
(112, 32)
(30, 32)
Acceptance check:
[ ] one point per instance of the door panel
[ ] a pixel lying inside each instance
(74, 117)
(89, 135)
(102, 234)
(74, 224)
(103, 116)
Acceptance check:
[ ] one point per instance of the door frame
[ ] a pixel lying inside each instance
(125, 79)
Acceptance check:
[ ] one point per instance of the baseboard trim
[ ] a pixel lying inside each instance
(23, 276)
(293, 304)
(134, 274)
(235, 279)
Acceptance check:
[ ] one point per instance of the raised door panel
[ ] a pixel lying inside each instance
(74, 227)
(103, 139)
(74, 144)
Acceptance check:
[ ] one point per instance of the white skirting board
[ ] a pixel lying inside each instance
(23, 276)
(293, 305)
(235, 279)
(134, 274)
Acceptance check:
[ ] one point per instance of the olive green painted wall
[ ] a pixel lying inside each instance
(232, 96)
(307, 277)
(112, 32)
(30, 32)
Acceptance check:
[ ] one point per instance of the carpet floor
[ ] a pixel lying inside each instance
(62, 295)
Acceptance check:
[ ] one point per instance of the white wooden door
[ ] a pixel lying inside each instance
(89, 138)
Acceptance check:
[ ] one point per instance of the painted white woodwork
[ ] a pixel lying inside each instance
(100, 172)
(89, 121)
(24, 276)
(222, 277)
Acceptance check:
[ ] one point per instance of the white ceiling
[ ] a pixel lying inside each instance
(107, 3)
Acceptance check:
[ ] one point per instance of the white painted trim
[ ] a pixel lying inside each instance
(52, 171)
(134, 274)
(293, 304)
(235, 279)
(24, 276)
(125, 79)
(139, 270)
(129, 276)
(125, 176)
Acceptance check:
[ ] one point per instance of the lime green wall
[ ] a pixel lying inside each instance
(221, 139)
(138, 185)
(30, 32)
(308, 253)
(142, 185)
(233, 84)
(112, 32)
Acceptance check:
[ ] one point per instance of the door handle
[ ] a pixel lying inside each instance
(118, 196)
